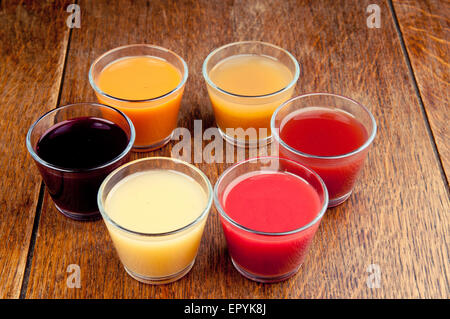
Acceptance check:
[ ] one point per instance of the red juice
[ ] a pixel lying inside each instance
(270, 202)
(324, 132)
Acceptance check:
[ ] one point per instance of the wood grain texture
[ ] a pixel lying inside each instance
(397, 216)
(32, 50)
(425, 26)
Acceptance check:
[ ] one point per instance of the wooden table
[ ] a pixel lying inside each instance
(397, 217)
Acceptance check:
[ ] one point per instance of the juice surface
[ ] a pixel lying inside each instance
(250, 75)
(155, 201)
(323, 132)
(271, 202)
(82, 143)
(139, 78)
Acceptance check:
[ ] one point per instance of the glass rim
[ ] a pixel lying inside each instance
(41, 161)
(366, 144)
(118, 99)
(204, 213)
(287, 87)
(222, 212)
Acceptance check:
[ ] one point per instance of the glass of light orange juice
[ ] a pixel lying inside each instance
(146, 82)
(246, 82)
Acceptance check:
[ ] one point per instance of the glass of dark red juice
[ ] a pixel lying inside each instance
(75, 147)
(331, 134)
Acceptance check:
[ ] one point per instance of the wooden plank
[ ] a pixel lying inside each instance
(33, 40)
(425, 26)
(397, 216)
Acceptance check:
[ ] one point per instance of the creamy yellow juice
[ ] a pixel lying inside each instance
(154, 202)
(249, 78)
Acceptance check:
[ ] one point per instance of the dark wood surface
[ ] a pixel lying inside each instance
(397, 217)
(425, 27)
(33, 43)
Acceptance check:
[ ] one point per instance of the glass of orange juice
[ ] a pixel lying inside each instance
(246, 82)
(146, 82)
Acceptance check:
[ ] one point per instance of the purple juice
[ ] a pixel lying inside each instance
(84, 151)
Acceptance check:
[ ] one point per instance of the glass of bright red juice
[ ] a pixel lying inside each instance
(270, 209)
(331, 134)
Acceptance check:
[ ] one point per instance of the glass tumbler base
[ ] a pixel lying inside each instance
(264, 279)
(337, 201)
(160, 280)
(79, 216)
(245, 143)
(152, 147)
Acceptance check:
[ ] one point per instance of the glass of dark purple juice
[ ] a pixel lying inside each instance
(75, 147)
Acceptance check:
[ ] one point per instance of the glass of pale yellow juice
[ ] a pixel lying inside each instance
(155, 210)
(146, 82)
(246, 82)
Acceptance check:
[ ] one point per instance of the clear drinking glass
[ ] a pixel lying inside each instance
(74, 191)
(156, 258)
(339, 172)
(154, 118)
(267, 256)
(244, 120)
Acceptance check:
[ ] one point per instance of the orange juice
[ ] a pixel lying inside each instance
(144, 88)
(139, 78)
(250, 81)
